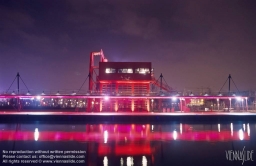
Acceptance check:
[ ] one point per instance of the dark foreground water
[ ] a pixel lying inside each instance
(128, 144)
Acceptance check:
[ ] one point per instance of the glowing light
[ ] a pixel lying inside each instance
(106, 97)
(38, 97)
(92, 102)
(152, 127)
(218, 127)
(144, 161)
(248, 129)
(244, 127)
(105, 161)
(129, 161)
(152, 100)
(105, 136)
(231, 128)
(241, 134)
(36, 134)
(122, 161)
(174, 135)
(174, 98)
(238, 98)
(181, 128)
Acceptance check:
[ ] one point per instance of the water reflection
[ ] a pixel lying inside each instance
(126, 133)
(241, 134)
(131, 144)
(36, 134)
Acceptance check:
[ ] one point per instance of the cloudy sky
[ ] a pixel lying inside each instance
(194, 44)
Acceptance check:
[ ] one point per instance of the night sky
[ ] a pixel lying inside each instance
(195, 44)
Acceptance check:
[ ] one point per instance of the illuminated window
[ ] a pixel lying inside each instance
(142, 71)
(128, 70)
(110, 70)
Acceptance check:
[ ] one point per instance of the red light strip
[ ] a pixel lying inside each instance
(121, 97)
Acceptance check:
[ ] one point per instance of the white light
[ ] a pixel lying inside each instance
(105, 136)
(106, 97)
(144, 161)
(105, 161)
(174, 135)
(241, 134)
(152, 127)
(248, 129)
(129, 161)
(238, 98)
(244, 127)
(231, 128)
(122, 161)
(218, 127)
(174, 98)
(181, 128)
(36, 134)
(152, 100)
(38, 97)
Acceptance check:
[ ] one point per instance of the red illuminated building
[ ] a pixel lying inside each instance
(120, 79)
